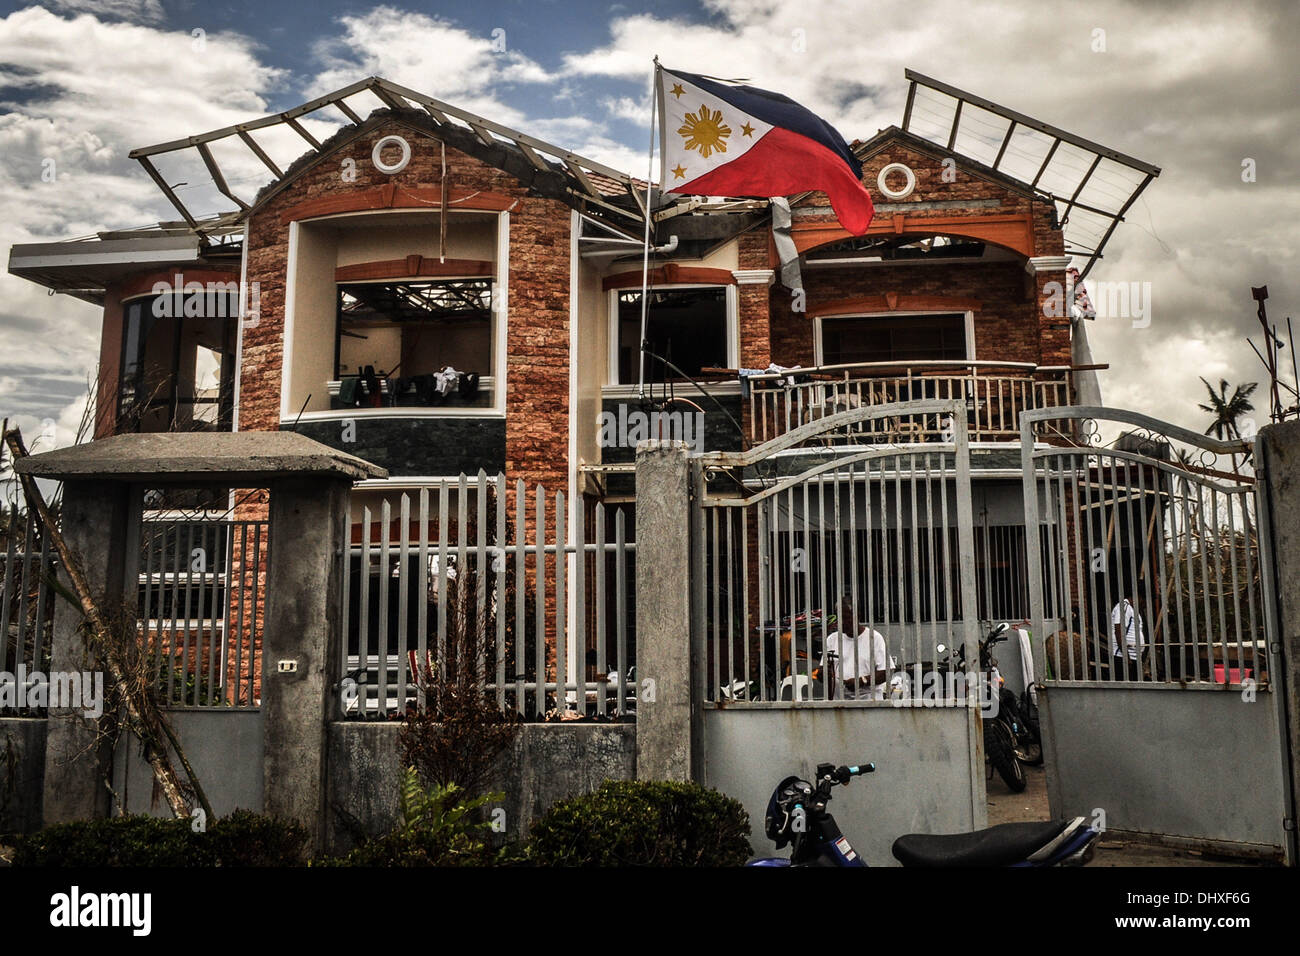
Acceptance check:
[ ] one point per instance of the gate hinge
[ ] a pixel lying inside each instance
(1288, 824)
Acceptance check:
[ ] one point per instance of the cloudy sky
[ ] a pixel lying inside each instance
(1195, 88)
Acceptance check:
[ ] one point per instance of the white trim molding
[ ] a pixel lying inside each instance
(1038, 264)
(611, 323)
(754, 276)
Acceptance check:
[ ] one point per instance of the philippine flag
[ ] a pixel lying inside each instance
(721, 139)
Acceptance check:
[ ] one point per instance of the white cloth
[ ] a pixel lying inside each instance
(446, 380)
(1027, 662)
(858, 657)
(1134, 640)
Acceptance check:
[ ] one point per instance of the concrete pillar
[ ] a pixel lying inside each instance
(302, 634)
(663, 612)
(1278, 448)
(96, 518)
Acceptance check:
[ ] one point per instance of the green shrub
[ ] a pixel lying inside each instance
(241, 839)
(245, 838)
(440, 826)
(643, 823)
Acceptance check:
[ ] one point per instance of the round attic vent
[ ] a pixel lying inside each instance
(896, 194)
(376, 155)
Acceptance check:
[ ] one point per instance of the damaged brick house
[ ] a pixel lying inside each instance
(441, 295)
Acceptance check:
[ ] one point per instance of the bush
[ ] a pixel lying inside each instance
(440, 826)
(245, 838)
(242, 839)
(643, 823)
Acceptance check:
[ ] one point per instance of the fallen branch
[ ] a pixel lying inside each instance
(145, 719)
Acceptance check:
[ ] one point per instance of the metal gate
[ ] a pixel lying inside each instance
(1153, 616)
(860, 516)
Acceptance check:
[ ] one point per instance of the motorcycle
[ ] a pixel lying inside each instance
(1006, 736)
(797, 816)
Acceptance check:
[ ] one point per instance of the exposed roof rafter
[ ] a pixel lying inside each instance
(1073, 178)
(589, 184)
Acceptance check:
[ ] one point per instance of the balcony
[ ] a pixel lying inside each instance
(995, 393)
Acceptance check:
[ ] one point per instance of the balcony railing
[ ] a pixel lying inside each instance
(995, 394)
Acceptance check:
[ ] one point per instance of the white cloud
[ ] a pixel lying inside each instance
(1194, 88)
(430, 55)
(78, 94)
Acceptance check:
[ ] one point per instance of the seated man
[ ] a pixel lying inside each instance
(859, 665)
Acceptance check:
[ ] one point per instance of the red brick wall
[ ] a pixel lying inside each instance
(1006, 326)
(537, 390)
(1010, 324)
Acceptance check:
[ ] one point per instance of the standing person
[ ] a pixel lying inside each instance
(1127, 640)
(860, 664)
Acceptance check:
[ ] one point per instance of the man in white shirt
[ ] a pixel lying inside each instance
(860, 664)
(1126, 631)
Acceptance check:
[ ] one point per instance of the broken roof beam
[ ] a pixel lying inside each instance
(516, 137)
(297, 127)
(1006, 141)
(274, 120)
(531, 155)
(1074, 197)
(348, 112)
(581, 177)
(956, 123)
(392, 100)
(167, 191)
(1119, 217)
(1047, 161)
(260, 154)
(215, 171)
(1023, 120)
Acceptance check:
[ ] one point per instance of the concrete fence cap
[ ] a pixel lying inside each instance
(199, 457)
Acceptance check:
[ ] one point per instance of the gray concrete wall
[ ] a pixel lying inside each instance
(223, 746)
(922, 784)
(1278, 454)
(663, 625)
(548, 762)
(22, 773)
(309, 525)
(1171, 762)
(97, 520)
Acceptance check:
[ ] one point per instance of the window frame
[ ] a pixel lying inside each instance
(819, 353)
(230, 388)
(731, 319)
(500, 326)
(492, 330)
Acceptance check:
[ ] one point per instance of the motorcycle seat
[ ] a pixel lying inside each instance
(1000, 845)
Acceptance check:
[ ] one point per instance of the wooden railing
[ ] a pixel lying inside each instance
(995, 394)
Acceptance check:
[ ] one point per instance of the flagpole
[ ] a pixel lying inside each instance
(645, 256)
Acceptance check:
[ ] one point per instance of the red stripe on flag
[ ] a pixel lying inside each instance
(782, 163)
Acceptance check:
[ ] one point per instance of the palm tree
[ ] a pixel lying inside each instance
(1227, 410)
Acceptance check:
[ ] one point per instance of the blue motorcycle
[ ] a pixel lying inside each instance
(797, 816)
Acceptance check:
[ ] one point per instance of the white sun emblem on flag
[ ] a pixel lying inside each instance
(705, 131)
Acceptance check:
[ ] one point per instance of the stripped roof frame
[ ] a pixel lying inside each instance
(597, 189)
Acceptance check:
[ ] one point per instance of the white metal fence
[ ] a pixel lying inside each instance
(498, 582)
(875, 541)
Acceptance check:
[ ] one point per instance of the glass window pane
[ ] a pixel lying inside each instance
(688, 327)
